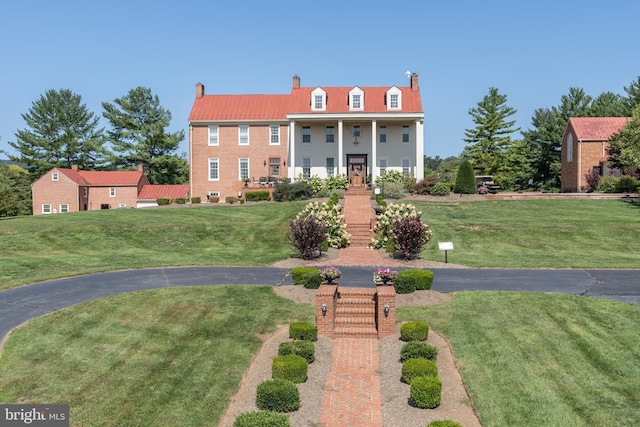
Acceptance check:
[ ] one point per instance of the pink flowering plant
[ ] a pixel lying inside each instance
(384, 275)
(330, 274)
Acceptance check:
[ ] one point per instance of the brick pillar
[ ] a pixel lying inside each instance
(326, 294)
(386, 324)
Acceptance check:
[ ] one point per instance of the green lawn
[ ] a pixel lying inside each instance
(533, 359)
(169, 357)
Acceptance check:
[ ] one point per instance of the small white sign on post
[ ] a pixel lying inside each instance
(445, 246)
(377, 190)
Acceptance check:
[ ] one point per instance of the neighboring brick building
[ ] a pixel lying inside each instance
(70, 190)
(584, 148)
(353, 131)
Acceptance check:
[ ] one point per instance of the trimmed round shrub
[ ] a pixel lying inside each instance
(426, 392)
(163, 201)
(418, 367)
(440, 189)
(196, 200)
(608, 184)
(282, 394)
(311, 280)
(444, 423)
(298, 272)
(290, 367)
(262, 419)
(415, 349)
(404, 284)
(303, 331)
(414, 331)
(304, 349)
(423, 278)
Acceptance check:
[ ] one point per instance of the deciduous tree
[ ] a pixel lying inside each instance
(624, 147)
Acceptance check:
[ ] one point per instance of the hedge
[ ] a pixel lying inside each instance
(426, 392)
(423, 279)
(290, 367)
(414, 349)
(297, 273)
(282, 394)
(444, 423)
(418, 367)
(262, 419)
(256, 196)
(163, 201)
(414, 331)
(305, 349)
(303, 330)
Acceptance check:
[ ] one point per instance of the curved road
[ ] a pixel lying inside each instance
(21, 304)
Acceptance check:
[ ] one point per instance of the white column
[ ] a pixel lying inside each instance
(340, 171)
(292, 150)
(419, 149)
(374, 152)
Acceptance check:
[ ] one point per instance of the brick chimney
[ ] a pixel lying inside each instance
(414, 82)
(141, 168)
(74, 167)
(296, 82)
(199, 90)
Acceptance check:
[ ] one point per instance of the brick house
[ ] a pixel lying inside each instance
(70, 190)
(322, 131)
(584, 149)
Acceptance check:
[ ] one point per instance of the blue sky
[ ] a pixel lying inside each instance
(532, 52)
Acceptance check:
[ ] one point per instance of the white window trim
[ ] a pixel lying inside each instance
(402, 159)
(318, 92)
(356, 91)
(64, 210)
(310, 165)
(112, 192)
(44, 210)
(55, 176)
(240, 177)
(271, 127)
(214, 132)
(214, 193)
(326, 135)
(386, 164)
(380, 134)
(408, 134)
(570, 148)
(394, 90)
(217, 162)
(240, 127)
(333, 168)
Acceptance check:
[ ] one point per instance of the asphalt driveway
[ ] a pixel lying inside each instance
(21, 304)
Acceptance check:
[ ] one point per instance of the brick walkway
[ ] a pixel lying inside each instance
(352, 393)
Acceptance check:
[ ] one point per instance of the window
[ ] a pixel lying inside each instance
(86, 191)
(213, 135)
(330, 166)
(393, 101)
(243, 135)
(570, 148)
(112, 192)
(306, 167)
(54, 176)
(275, 170)
(64, 208)
(46, 209)
(405, 133)
(383, 165)
(244, 168)
(306, 134)
(383, 134)
(214, 172)
(275, 135)
(355, 102)
(317, 102)
(214, 193)
(274, 160)
(330, 134)
(356, 131)
(406, 166)
(318, 99)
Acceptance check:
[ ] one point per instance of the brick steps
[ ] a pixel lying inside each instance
(355, 314)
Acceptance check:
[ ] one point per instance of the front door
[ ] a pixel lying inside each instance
(357, 168)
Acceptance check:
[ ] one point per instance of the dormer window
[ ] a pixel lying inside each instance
(318, 100)
(394, 99)
(54, 176)
(356, 99)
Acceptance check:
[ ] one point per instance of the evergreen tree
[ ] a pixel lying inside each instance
(138, 135)
(490, 139)
(466, 179)
(624, 147)
(608, 104)
(633, 96)
(15, 191)
(61, 132)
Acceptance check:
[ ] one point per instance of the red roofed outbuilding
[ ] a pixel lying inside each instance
(584, 149)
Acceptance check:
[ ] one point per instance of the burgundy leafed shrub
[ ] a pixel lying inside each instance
(307, 235)
(409, 235)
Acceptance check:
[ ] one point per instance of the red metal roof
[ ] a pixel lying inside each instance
(111, 177)
(276, 107)
(73, 175)
(597, 128)
(152, 192)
